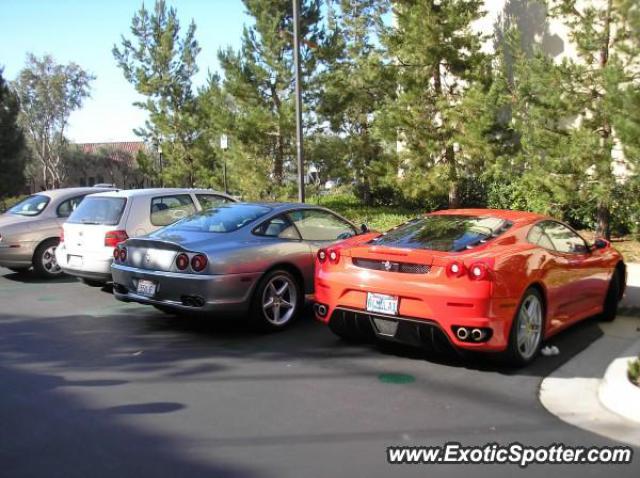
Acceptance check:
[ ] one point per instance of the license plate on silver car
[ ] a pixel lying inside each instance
(382, 303)
(146, 288)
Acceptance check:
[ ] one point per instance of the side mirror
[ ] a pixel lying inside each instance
(601, 244)
(364, 229)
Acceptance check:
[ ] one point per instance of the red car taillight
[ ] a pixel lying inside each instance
(182, 261)
(113, 238)
(123, 254)
(479, 271)
(199, 262)
(322, 255)
(456, 269)
(116, 254)
(334, 256)
(61, 235)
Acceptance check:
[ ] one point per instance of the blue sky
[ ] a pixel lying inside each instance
(84, 31)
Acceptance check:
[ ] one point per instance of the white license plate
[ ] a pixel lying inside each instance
(382, 303)
(146, 288)
(75, 261)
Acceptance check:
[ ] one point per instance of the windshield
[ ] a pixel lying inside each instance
(98, 210)
(444, 233)
(31, 206)
(226, 218)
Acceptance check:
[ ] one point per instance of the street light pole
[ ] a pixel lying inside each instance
(298, 92)
(161, 165)
(224, 146)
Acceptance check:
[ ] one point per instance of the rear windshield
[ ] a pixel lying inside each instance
(444, 233)
(31, 206)
(226, 218)
(98, 210)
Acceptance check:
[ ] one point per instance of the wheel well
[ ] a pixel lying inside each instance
(622, 269)
(287, 266)
(540, 288)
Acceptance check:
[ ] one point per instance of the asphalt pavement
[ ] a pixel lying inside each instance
(93, 387)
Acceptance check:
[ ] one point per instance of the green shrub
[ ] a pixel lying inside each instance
(379, 218)
(9, 201)
(634, 371)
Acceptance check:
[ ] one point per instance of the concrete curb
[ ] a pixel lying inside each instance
(575, 401)
(616, 392)
(576, 397)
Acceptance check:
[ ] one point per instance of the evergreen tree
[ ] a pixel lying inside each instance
(533, 167)
(438, 57)
(259, 80)
(161, 65)
(355, 84)
(607, 42)
(12, 153)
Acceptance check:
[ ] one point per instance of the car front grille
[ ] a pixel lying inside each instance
(390, 266)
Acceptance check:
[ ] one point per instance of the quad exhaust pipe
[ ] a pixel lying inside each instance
(192, 300)
(462, 333)
(477, 335)
(471, 335)
(321, 310)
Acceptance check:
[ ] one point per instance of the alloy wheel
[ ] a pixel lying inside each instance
(49, 262)
(279, 300)
(529, 331)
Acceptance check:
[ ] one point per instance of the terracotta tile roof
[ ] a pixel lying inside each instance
(121, 151)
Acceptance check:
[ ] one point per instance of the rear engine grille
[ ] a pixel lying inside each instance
(390, 266)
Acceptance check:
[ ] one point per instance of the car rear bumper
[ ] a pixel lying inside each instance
(187, 292)
(422, 310)
(95, 266)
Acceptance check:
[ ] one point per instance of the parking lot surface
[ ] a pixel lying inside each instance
(93, 387)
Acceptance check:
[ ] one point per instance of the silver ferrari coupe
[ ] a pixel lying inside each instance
(255, 258)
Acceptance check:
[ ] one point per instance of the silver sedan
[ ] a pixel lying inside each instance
(30, 230)
(245, 257)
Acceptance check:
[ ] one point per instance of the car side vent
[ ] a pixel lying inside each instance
(389, 266)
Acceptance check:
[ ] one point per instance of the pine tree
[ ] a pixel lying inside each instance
(533, 166)
(259, 81)
(161, 65)
(607, 42)
(12, 144)
(355, 84)
(438, 57)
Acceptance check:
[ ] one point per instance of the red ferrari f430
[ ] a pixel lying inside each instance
(488, 280)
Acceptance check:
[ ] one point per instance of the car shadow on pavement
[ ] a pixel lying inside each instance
(29, 277)
(68, 438)
(569, 342)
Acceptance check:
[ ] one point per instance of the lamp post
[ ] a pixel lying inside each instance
(224, 146)
(161, 164)
(296, 61)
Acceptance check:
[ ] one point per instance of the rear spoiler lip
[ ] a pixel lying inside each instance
(155, 243)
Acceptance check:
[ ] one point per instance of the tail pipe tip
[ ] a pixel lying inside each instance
(462, 333)
(477, 335)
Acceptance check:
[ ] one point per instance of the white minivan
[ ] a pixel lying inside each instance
(104, 220)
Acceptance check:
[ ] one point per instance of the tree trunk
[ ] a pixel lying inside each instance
(603, 213)
(454, 193)
(603, 216)
(279, 158)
